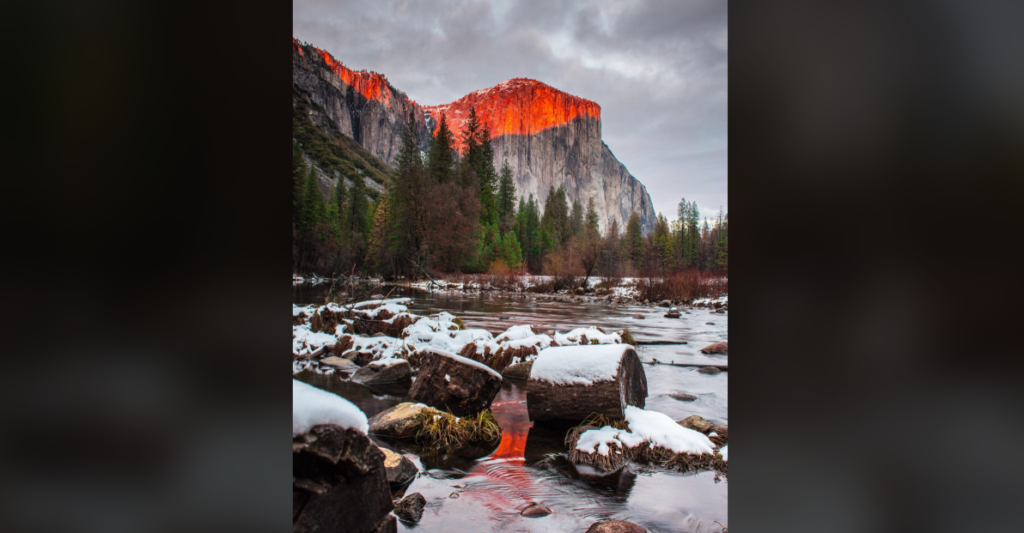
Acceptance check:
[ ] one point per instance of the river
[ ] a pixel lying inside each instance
(530, 466)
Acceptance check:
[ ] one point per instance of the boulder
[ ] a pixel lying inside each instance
(518, 370)
(571, 382)
(399, 469)
(672, 314)
(337, 362)
(696, 423)
(331, 464)
(712, 370)
(665, 303)
(535, 510)
(682, 397)
(400, 421)
(379, 374)
(718, 347)
(454, 383)
(410, 509)
(721, 429)
(615, 526)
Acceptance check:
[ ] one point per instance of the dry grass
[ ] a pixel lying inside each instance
(684, 286)
(627, 338)
(444, 431)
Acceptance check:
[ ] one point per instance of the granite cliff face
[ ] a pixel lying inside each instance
(548, 136)
(552, 138)
(360, 104)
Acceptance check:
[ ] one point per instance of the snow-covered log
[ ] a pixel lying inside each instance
(571, 382)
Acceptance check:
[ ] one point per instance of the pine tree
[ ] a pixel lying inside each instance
(506, 201)
(634, 241)
(576, 220)
(593, 220)
(312, 211)
(441, 158)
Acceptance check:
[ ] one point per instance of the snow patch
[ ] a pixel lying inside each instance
(578, 365)
(312, 406)
(651, 427)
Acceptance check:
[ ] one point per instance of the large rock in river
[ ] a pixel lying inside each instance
(339, 482)
(696, 423)
(571, 382)
(382, 372)
(459, 385)
(401, 421)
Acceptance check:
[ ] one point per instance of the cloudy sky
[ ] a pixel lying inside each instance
(657, 68)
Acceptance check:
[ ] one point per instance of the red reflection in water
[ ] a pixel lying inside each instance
(505, 484)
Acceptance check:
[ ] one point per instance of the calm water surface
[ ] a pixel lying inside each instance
(487, 492)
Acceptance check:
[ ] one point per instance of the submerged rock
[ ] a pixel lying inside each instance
(400, 470)
(454, 383)
(638, 316)
(682, 397)
(410, 509)
(400, 421)
(696, 423)
(615, 526)
(518, 370)
(331, 464)
(535, 510)
(672, 314)
(709, 370)
(718, 347)
(380, 374)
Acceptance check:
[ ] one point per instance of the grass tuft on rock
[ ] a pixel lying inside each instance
(627, 338)
(444, 431)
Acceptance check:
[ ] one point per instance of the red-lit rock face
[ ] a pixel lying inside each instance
(519, 106)
(372, 85)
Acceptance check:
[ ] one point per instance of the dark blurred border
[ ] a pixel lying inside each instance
(875, 179)
(148, 288)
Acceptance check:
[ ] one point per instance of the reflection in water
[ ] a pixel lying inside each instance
(485, 490)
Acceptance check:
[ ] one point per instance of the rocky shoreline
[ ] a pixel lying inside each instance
(458, 372)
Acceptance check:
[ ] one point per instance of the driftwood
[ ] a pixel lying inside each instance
(550, 401)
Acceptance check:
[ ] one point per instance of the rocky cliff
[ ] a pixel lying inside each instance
(548, 136)
(362, 105)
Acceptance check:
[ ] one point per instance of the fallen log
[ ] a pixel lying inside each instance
(573, 382)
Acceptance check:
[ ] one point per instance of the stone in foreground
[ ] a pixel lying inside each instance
(401, 421)
(380, 374)
(571, 382)
(718, 347)
(454, 383)
(615, 526)
(696, 423)
(410, 509)
(399, 469)
(331, 464)
(518, 370)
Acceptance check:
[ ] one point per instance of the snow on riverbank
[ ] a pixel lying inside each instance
(312, 406)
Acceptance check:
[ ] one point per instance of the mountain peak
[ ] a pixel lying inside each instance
(517, 106)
